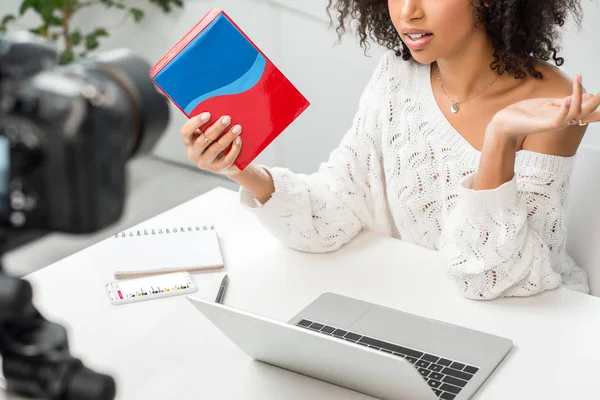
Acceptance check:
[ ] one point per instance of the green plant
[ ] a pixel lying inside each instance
(56, 17)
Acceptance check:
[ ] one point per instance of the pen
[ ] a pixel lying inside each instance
(222, 289)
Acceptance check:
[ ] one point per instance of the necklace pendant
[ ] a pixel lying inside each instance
(454, 108)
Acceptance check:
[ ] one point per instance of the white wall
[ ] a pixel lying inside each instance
(581, 51)
(296, 36)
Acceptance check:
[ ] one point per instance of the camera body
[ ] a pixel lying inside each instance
(67, 156)
(68, 132)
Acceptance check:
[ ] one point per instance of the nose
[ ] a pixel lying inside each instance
(411, 10)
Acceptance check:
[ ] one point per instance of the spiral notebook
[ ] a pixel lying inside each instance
(155, 250)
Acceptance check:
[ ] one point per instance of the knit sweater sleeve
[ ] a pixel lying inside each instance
(510, 241)
(323, 211)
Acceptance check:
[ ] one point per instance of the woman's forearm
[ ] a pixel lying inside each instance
(497, 162)
(257, 181)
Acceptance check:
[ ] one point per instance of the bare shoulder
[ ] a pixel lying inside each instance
(557, 84)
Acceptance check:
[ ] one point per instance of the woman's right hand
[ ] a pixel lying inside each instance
(205, 147)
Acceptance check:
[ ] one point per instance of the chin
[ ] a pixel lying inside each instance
(423, 57)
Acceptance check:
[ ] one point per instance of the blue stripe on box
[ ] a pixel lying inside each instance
(243, 83)
(219, 61)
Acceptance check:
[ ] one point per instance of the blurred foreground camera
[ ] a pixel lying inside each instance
(71, 130)
(66, 133)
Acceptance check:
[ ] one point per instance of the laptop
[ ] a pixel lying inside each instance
(368, 348)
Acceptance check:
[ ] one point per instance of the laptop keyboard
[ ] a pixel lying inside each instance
(445, 377)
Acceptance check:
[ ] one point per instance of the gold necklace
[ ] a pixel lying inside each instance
(456, 104)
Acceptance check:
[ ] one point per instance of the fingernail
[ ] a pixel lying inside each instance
(205, 116)
(568, 101)
(236, 130)
(226, 120)
(579, 79)
(238, 140)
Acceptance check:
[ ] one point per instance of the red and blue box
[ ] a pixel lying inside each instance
(215, 67)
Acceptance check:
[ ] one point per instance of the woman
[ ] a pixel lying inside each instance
(464, 142)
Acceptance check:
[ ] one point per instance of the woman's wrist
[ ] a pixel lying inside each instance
(497, 139)
(497, 162)
(247, 173)
(256, 180)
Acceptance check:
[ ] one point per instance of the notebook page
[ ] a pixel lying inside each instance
(164, 252)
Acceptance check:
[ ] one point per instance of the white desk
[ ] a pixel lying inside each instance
(165, 349)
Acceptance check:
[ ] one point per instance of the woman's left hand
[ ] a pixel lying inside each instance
(546, 114)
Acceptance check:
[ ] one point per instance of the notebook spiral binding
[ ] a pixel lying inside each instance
(163, 231)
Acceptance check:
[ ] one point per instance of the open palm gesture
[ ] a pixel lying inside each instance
(548, 114)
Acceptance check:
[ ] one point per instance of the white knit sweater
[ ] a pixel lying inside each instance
(404, 171)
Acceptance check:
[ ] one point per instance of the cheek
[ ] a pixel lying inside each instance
(455, 13)
(452, 21)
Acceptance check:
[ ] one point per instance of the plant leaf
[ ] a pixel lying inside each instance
(113, 3)
(76, 37)
(66, 57)
(47, 10)
(91, 42)
(100, 32)
(8, 18)
(137, 14)
(53, 21)
(40, 30)
(69, 5)
(91, 39)
(26, 5)
(166, 5)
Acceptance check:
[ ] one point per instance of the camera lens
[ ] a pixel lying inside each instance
(89, 385)
(15, 296)
(131, 73)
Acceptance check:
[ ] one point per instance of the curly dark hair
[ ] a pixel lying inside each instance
(521, 31)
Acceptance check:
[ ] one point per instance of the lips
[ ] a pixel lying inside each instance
(417, 36)
(416, 39)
